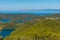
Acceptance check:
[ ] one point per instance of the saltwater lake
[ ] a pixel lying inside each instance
(6, 32)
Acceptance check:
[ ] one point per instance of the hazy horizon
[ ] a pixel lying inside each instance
(32, 11)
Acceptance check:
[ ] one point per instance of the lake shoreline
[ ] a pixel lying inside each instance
(6, 32)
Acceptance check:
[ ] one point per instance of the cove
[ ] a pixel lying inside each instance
(6, 32)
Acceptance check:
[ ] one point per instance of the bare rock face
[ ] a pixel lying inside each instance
(1, 28)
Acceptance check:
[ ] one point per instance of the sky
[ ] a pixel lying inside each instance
(29, 4)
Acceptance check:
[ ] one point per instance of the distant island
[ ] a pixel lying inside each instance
(30, 11)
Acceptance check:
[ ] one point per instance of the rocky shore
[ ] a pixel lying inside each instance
(1, 38)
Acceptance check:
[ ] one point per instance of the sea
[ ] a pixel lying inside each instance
(6, 32)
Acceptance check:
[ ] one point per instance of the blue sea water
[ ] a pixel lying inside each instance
(30, 11)
(6, 32)
(28, 18)
(19, 21)
(6, 20)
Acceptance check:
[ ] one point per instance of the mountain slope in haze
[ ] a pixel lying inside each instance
(31, 11)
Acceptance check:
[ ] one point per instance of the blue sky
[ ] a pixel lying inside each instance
(29, 4)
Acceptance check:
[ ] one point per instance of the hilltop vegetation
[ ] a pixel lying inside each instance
(45, 29)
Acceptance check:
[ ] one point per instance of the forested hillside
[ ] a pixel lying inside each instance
(45, 29)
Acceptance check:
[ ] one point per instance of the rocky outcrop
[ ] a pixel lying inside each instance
(1, 38)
